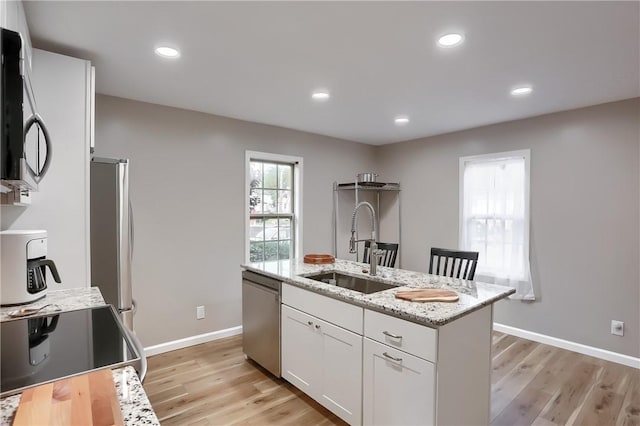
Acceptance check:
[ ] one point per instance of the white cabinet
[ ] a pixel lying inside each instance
(63, 88)
(399, 373)
(438, 371)
(300, 351)
(398, 354)
(322, 359)
(398, 388)
(341, 372)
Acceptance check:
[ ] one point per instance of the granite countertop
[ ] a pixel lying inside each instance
(67, 300)
(473, 295)
(134, 404)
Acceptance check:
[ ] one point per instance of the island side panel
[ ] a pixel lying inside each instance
(464, 370)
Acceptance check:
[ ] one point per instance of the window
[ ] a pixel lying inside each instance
(272, 203)
(494, 218)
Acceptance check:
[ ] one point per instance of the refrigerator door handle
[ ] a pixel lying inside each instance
(124, 255)
(141, 367)
(131, 228)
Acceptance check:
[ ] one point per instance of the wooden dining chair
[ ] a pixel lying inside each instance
(389, 256)
(454, 268)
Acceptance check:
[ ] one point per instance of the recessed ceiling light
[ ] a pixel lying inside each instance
(521, 91)
(401, 120)
(450, 40)
(320, 95)
(167, 52)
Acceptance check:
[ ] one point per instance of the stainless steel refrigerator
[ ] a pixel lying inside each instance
(112, 240)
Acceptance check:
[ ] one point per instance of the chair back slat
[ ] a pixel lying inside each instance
(389, 256)
(469, 258)
(466, 268)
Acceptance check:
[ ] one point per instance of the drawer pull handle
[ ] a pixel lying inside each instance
(394, 336)
(392, 358)
(317, 326)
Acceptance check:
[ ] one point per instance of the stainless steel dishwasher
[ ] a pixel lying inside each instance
(261, 320)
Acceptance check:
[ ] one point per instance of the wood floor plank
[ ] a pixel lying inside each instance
(533, 384)
(200, 403)
(501, 344)
(526, 406)
(555, 372)
(629, 414)
(502, 393)
(605, 398)
(571, 394)
(523, 409)
(506, 360)
(166, 394)
(495, 336)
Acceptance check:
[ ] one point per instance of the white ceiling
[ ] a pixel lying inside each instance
(260, 61)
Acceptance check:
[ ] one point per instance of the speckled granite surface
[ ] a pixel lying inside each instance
(473, 295)
(67, 300)
(135, 406)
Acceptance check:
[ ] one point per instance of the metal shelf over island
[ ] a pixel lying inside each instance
(364, 186)
(378, 188)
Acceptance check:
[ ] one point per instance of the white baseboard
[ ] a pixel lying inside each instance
(572, 346)
(193, 340)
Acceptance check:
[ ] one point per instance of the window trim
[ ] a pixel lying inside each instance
(297, 163)
(522, 153)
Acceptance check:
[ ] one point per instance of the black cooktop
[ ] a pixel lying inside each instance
(47, 348)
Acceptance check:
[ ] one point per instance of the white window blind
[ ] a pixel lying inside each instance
(494, 218)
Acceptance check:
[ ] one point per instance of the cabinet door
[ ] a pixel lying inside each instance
(341, 381)
(301, 351)
(398, 388)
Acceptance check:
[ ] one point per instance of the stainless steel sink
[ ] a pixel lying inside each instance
(361, 285)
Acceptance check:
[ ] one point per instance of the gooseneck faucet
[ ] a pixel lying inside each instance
(374, 253)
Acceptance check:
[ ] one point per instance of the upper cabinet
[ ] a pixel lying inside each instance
(64, 89)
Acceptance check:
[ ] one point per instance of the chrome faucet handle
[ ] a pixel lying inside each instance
(352, 243)
(374, 255)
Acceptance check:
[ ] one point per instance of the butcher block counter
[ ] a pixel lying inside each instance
(472, 295)
(134, 404)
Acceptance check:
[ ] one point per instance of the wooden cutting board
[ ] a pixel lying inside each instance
(428, 295)
(89, 399)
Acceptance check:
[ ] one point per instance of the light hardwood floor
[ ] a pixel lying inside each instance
(532, 384)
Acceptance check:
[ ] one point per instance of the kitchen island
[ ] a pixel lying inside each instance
(473, 295)
(134, 404)
(375, 359)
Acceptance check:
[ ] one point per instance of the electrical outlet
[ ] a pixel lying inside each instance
(199, 312)
(617, 328)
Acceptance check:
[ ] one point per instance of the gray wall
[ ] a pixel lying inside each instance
(187, 189)
(585, 236)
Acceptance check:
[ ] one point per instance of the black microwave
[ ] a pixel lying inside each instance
(25, 151)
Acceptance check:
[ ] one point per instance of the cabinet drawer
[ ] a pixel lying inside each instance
(415, 339)
(398, 388)
(339, 313)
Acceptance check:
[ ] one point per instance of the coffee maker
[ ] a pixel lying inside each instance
(24, 263)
